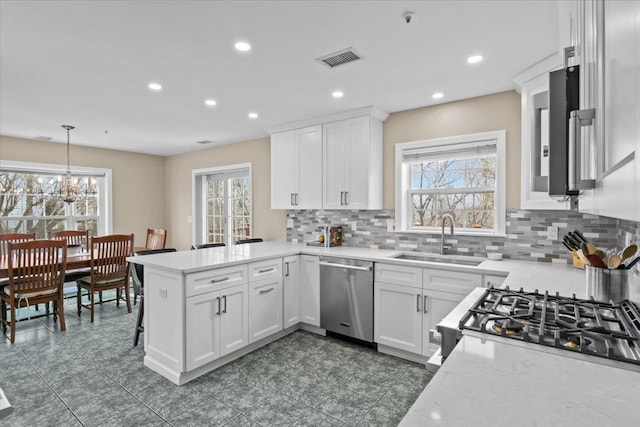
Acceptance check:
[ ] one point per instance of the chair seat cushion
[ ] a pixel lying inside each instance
(19, 295)
(87, 280)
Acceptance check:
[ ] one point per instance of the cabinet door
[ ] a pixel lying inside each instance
(309, 147)
(284, 170)
(334, 140)
(265, 308)
(234, 319)
(397, 319)
(357, 163)
(436, 305)
(291, 290)
(203, 328)
(310, 289)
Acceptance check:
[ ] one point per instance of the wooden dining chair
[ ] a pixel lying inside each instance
(109, 270)
(73, 237)
(36, 275)
(206, 245)
(156, 238)
(5, 239)
(137, 273)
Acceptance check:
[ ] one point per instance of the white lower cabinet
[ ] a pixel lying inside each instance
(216, 325)
(310, 289)
(291, 290)
(407, 310)
(397, 317)
(265, 308)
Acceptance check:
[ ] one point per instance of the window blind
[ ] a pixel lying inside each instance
(450, 151)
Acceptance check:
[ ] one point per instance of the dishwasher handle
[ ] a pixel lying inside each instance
(345, 266)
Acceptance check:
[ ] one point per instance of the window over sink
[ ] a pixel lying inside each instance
(463, 176)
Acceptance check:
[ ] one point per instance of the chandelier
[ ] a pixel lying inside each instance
(69, 190)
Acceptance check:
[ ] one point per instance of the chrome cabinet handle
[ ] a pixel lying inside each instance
(418, 303)
(224, 279)
(345, 266)
(264, 291)
(266, 270)
(341, 198)
(286, 267)
(578, 119)
(291, 199)
(218, 301)
(424, 304)
(346, 197)
(224, 298)
(296, 198)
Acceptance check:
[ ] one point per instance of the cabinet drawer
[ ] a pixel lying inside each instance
(211, 280)
(265, 269)
(451, 281)
(398, 275)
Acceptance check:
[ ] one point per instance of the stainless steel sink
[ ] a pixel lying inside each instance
(446, 259)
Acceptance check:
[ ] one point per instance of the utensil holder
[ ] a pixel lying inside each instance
(607, 285)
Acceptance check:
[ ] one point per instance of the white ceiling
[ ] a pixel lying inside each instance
(88, 63)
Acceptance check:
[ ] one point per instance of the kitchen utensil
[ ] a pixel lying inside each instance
(629, 251)
(566, 245)
(579, 235)
(600, 254)
(632, 263)
(575, 243)
(614, 261)
(607, 285)
(592, 247)
(596, 261)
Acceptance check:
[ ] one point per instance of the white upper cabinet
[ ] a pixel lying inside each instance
(607, 39)
(296, 169)
(353, 164)
(534, 89)
(332, 162)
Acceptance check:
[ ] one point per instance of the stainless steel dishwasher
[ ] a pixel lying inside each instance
(346, 297)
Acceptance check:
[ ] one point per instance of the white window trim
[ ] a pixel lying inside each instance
(106, 191)
(402, 182)
(197, 228)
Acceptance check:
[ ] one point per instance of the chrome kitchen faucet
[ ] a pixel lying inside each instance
(444, 217)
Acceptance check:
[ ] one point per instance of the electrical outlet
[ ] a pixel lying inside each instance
(552, 233)
(163, 293)
(391, 225)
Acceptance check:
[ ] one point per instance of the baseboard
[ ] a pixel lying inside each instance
(413, 357)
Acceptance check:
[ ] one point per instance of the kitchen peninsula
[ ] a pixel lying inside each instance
(207, 307)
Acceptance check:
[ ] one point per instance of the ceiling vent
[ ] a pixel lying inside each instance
(43, 138)
(339, 58)
(205, 142)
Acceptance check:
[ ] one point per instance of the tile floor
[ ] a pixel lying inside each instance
(92, 375)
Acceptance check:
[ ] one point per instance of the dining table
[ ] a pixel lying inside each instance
(82, 260)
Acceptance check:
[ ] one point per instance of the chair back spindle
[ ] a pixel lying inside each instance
(156, 238)
(13, 238)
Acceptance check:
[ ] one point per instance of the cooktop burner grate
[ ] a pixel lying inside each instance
(585, 326)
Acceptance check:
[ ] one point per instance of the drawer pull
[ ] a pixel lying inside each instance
(218, 301)
(266, 270)
(224, 279)
(264, 291)
(224, 300)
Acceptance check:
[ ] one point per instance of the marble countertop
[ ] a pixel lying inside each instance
(484, 382)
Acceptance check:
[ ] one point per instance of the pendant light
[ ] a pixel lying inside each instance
(69, 190)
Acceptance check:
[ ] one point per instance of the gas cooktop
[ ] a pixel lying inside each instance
(610, 331)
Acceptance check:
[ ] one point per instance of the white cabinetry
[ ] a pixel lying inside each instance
(409, 305)
(352, 163)
(265, 299)
(291, 290)
(296, 170)
(216, 325)
(310, 289)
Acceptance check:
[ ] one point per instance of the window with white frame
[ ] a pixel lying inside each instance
(31, 199)
(462, 176)
(222, 204)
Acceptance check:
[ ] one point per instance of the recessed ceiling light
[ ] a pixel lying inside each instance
(437, 95)
(474, 59)
(337, 94)
(155, 86)
(210, 102)
(243, 46)
(253, 115)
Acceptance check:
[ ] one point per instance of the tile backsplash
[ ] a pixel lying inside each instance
(526, 237)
